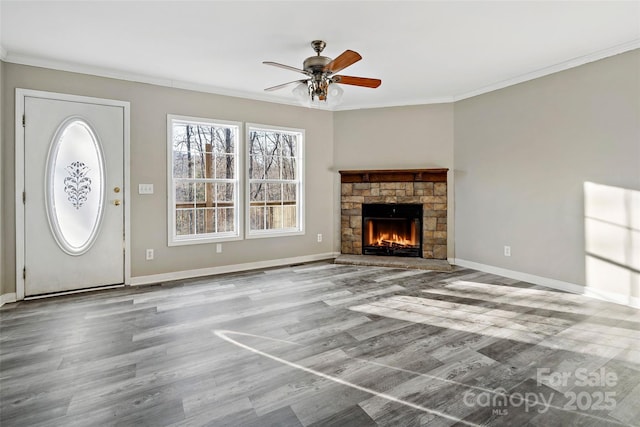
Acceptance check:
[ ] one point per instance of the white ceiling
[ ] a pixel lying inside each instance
(424, 51)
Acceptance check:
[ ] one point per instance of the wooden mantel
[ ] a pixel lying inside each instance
(394, 175)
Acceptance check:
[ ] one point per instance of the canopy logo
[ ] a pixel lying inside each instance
(586, 391)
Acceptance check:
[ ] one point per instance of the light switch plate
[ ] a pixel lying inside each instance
(145, 188)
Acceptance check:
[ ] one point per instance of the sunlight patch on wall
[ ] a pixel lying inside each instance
(612, 241)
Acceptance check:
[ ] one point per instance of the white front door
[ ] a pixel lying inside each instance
(74, 195)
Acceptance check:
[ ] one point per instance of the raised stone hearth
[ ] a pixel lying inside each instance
(395, 262)
(411, 186)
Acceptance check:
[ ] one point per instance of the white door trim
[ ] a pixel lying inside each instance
(19, 176)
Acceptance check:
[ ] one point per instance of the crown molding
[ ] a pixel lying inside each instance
(198, 87)
(34, 61)
(562, 66)
(408, 103)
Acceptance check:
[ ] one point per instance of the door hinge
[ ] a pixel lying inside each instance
(24, 197)
(24, 273)
(24, 121)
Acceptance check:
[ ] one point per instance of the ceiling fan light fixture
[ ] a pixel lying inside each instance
(307, 97)
(319, 89)
(301, 92)
(334, 97)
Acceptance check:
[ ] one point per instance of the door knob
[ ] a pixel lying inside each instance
(116, 202)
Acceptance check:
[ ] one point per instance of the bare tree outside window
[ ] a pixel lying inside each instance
(205, 178)
(274, 180)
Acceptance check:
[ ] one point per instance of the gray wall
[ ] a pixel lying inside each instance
(2, 242)
(523, 155)
(412, 137)
(149, 107)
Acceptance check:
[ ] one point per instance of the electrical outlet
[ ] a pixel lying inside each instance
(219, 248)
(507, 251)
(319, 237)
(149, 254)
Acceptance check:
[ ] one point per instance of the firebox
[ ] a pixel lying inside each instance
(392, 229)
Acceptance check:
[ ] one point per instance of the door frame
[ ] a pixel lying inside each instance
(21, 94)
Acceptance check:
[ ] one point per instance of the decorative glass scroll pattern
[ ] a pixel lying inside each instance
(75, 186)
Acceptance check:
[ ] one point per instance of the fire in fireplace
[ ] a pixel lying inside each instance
(392, 229)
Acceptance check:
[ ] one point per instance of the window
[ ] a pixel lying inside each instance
(203, 180)
(275, 184)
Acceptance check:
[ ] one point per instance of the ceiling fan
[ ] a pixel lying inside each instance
(320, 71)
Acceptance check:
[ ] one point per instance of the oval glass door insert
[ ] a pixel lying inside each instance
(75, 186)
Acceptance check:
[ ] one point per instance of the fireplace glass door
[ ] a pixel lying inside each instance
(392, 230)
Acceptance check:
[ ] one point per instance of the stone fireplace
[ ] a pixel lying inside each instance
(426, 188)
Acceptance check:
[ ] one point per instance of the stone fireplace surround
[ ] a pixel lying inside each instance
(417, 186)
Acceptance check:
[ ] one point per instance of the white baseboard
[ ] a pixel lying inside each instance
(233, 268)
(552, 283)
(6, 298)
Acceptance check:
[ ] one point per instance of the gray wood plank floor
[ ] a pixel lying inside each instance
(321, 345)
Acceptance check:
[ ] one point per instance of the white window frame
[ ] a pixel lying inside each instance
(173, 238)
(300, 214)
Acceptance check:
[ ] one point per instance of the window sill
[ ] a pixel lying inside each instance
(274, 233)
(202, 240)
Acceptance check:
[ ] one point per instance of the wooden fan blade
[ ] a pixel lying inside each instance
(269, 89)
(348, 57)
(357, 81)
(286, 67)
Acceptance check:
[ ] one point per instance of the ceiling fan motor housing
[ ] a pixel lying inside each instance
(315, 64)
